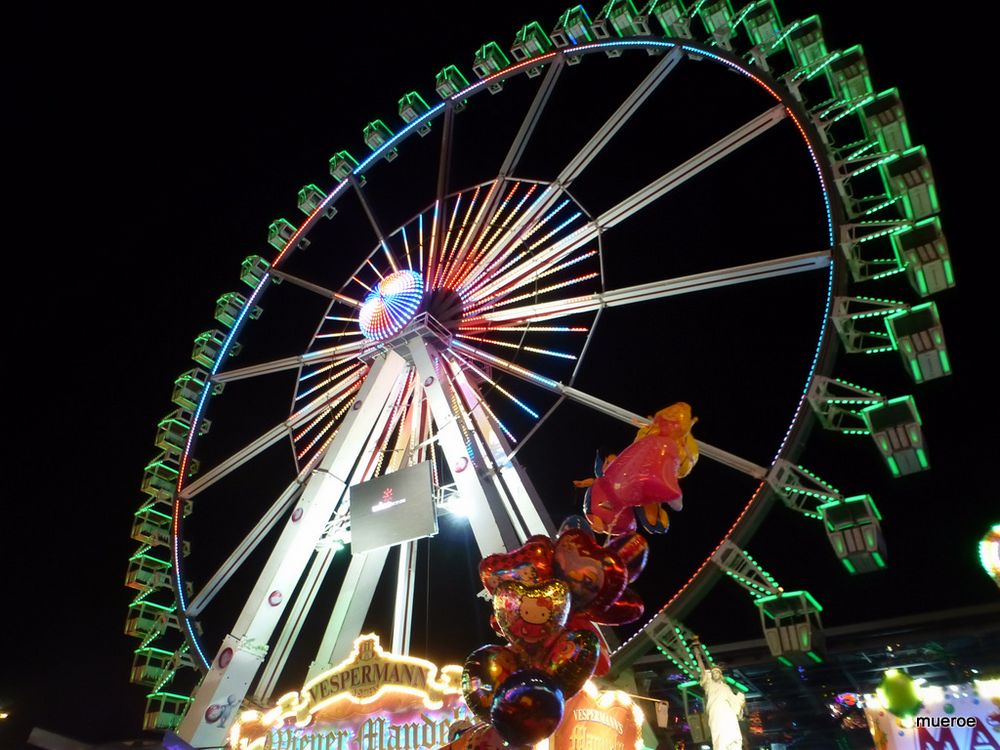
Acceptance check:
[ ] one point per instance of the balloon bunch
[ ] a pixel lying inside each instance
(548, 598)
(643, 475)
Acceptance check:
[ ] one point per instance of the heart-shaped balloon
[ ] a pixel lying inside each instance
(485, 668)
(571, 659)
(633, 549)
(530, 616)
(531, 563)
(625, 609)
(596, 575)
(495, 626)
(579, 622)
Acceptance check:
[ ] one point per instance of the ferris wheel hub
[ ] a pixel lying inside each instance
(391, 305)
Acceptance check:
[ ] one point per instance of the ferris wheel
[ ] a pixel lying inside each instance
(464, 324)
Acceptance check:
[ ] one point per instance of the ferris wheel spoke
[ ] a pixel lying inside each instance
(676, 177)
(452, 249)
(333, 354)
(510, 270)
(327, 401)
(693, 166)
(621, 116)
(483, 219)
(434, 259)
(244, 549)
(555, 309)
(538, 104)
(492, 254)
(314, 288)
(527, 513)
(605, 407)
(370, 213)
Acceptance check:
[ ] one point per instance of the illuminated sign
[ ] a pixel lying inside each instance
(392, 509)
(374, 700)
(598, 720)
(953, 717)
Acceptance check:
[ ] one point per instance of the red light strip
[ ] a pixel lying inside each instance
(443, 255)
(479, 247)
(506, 71)
(458, 252)
(493, 256)
(532, 279)
(538, 329)
(470, 250)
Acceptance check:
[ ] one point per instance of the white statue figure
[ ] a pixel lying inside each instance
(724, 707)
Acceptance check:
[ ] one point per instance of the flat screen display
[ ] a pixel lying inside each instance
(392, 509)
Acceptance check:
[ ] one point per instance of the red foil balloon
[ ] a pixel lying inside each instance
(485, 668)
(596, 575)
(645, 472)
(531, 616)
(530, 563)
(527, 708)
(627, 608)
(579, 622)
(571, 659)
(633, 549)
(495, 626)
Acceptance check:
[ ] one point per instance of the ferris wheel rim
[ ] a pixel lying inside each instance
(688, 46)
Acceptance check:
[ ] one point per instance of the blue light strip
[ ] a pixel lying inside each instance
(196, 420)
(507, 366)
(428, 115)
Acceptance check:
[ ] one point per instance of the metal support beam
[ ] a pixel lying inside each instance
(642, 198)
(402, 618)
(593, 147)
(246, 547)
(510, 478)
(693, 166)
(262, 443)
(621, 116)
(531, 119)
(606, 407)
(654, 290)
(321, 356)
(348, 616)
(243, 650)
(513, 157)
(314, 288)
(376, 227)
(487, 515)
(304, 600)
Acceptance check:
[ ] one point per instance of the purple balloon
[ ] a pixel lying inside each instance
(527, 707)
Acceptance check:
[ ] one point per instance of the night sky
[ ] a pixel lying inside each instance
(148, 164)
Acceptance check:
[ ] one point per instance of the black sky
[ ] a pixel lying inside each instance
(151, 149)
